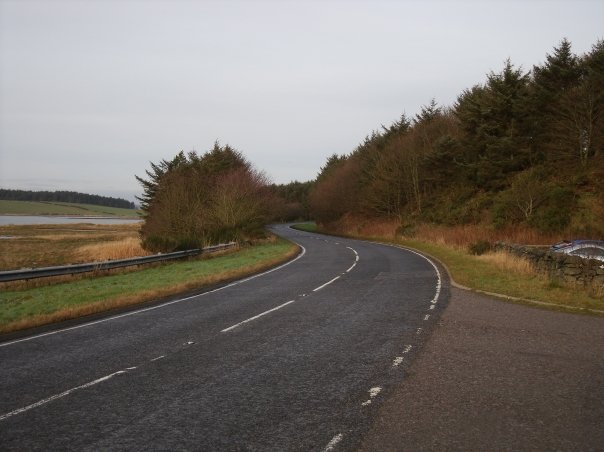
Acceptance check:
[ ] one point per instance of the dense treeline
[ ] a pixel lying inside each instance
(195, 200)
(521, 148)
(64, 196)
(291, 201)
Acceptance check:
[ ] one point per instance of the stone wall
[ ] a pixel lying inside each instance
(559, 266)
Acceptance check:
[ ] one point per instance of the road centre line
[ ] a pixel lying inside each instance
(163, 305)
(326, 284)
(61, 395)
(288, 302)
(333, 443)
(257, 316)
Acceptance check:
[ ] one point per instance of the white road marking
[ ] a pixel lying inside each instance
(188, 343)
(373, 392)
(427, 317)
(163, 305)
(356, 258)
(159, 357)
(399, 359)
(326, 284)
(419, 330)
(438, 277)
(333, 443)
(291, 301)
(257, 316)
(58, 396)
(431, 307)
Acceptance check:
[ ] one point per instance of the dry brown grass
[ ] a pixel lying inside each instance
(508, 262)
(462, 236)
(49, 245)
(458, 237)
(120, 249)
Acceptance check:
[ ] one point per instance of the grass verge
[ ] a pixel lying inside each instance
(495, 275)
(20, 309)
(308, 227)
(479, 273)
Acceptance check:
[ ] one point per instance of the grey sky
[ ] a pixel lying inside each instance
(91, 91)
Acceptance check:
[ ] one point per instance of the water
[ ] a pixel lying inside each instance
(41, 219)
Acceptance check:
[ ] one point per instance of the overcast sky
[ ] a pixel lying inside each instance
(91, 91)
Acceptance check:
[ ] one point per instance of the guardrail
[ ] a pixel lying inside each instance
(44, 272)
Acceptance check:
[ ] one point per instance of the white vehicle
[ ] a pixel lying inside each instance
(588, 249)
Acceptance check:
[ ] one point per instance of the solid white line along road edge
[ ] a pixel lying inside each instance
(63, 394)
(438, 277)
(356, 259)
(163, 305)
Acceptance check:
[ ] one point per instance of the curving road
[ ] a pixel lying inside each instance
(298, 358)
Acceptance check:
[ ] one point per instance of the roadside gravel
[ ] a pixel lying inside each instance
(499, 376)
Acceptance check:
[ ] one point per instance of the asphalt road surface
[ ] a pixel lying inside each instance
(497, 376)
(298, 358)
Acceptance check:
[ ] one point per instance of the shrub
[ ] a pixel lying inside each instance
(480, 247)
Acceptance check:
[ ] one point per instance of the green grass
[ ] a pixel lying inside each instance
(477, 274)
(40, 305)
(308, 227)
(470, 271)
(62, 208)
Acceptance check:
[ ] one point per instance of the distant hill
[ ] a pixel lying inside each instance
(64, 196)
(69, 209)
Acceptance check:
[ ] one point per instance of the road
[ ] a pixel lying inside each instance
(298, 358)
(499, 376)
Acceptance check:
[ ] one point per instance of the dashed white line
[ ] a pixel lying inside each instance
(158, 358)
(257, 316)
(399, 359)
(373, 392)
(292, 301)
(333, 443)
(326, 284)
(58, 396)
(163, 305)
(427, 317)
